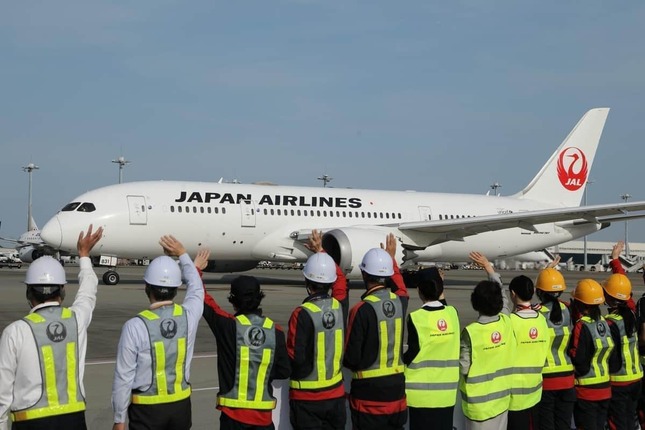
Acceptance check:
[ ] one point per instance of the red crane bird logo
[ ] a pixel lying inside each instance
(573, 175)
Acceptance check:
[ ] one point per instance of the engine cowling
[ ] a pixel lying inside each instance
(347, 246)
(28, 254)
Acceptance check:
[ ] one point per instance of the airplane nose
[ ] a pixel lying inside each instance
(52, 233)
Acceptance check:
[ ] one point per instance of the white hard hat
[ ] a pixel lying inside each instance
(377, 262)
(320, 267)
(163, 272)
(45, 270)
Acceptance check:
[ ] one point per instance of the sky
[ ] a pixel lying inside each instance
(446, 96)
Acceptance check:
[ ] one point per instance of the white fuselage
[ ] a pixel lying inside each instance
(249, 223)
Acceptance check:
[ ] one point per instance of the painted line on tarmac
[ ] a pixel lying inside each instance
(98, 363)
(205, 389)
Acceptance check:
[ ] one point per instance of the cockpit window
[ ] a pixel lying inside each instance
(70, 206)
(86, 207)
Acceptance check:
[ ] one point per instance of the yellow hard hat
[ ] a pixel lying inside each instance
(589, 292)
(618, 286)
(550, 280)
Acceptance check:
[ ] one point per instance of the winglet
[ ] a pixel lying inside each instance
(562, 180)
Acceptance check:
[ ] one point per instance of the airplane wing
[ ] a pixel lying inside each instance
(457, 229)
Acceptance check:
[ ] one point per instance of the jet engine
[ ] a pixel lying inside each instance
(347, 246)
(28, 254)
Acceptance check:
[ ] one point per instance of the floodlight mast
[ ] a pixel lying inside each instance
(29, 168)
(121, 161)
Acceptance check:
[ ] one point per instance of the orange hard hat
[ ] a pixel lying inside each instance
(550, 280)
(618, 286)
(589, 292)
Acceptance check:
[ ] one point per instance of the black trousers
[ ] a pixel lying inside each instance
(435, 418)
(328, 414)
(556, 409)
(526, 419)
(228, 423)
(166, 416)
(363, 421)
(75, 421)
(591, 415)
(622, 408)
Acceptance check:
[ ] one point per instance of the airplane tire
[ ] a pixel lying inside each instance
(111, 278)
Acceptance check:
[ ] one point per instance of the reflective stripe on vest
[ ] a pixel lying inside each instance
(432, 378)
(557, 360)
(327, 318)
(256, 340)
(603, 344)
(389, 316)
(531, 348)
(630, 367)
(56, 334)
(168, 330)
(486, 389)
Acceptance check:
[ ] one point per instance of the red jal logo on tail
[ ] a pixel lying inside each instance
(572, 168)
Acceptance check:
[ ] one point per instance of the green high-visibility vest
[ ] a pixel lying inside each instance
(486, 389)
(432, 378)
(55, 331)
(531, 348)
(168, 330)
(630, 368)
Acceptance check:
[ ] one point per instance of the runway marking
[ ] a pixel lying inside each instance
(97, 363)
(205, 389)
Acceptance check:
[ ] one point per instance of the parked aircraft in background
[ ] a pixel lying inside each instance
(244, 224)
(29, 245)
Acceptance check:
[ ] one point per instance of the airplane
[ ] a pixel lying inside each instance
(243, 224)
(30, 245)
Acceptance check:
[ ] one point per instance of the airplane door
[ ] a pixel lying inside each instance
(137, 208)
(248, 213)
(425, 213)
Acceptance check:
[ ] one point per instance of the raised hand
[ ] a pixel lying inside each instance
(86, 241)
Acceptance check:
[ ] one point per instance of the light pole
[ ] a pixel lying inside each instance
(29, 168)
(626, 197)
(589, 182)
(325, 179)
(495, 186)
(121, 162)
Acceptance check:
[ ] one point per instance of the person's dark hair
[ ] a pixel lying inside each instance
(592, 311)
(628, 317)
(523, 287)
(546, 297)
(317, 287)
(371, 279)
(247, 303)
(44, 293)
(429, 283)
(161, 294)
(487, 298)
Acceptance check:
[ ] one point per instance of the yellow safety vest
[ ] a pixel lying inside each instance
(603, 345)
(432, 378)
(256, 341)
(389, 315)
(327, 318)
(168, 330)
(56, 335)
(532, 346)
(630, 369)
(486, 389)
(557, 360)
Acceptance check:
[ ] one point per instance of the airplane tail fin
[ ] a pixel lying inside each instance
(562, 180)
(31, 225)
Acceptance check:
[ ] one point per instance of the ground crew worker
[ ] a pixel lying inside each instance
(558, 392)
(373, 345)
(487, 355)
(626, 381)
(43, 355)
(590, 347)
(251, 353)
(156, 347)
(315, 346)
(432, 357)
(531, 345)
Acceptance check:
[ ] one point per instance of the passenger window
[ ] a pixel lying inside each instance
(223, 210)
(70, 206)
(216, 210)
(179, 209)
(201, 209)
(172, 209)
(305, 212)
(208, 209)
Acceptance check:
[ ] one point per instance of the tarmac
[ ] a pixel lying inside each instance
(284, 292)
